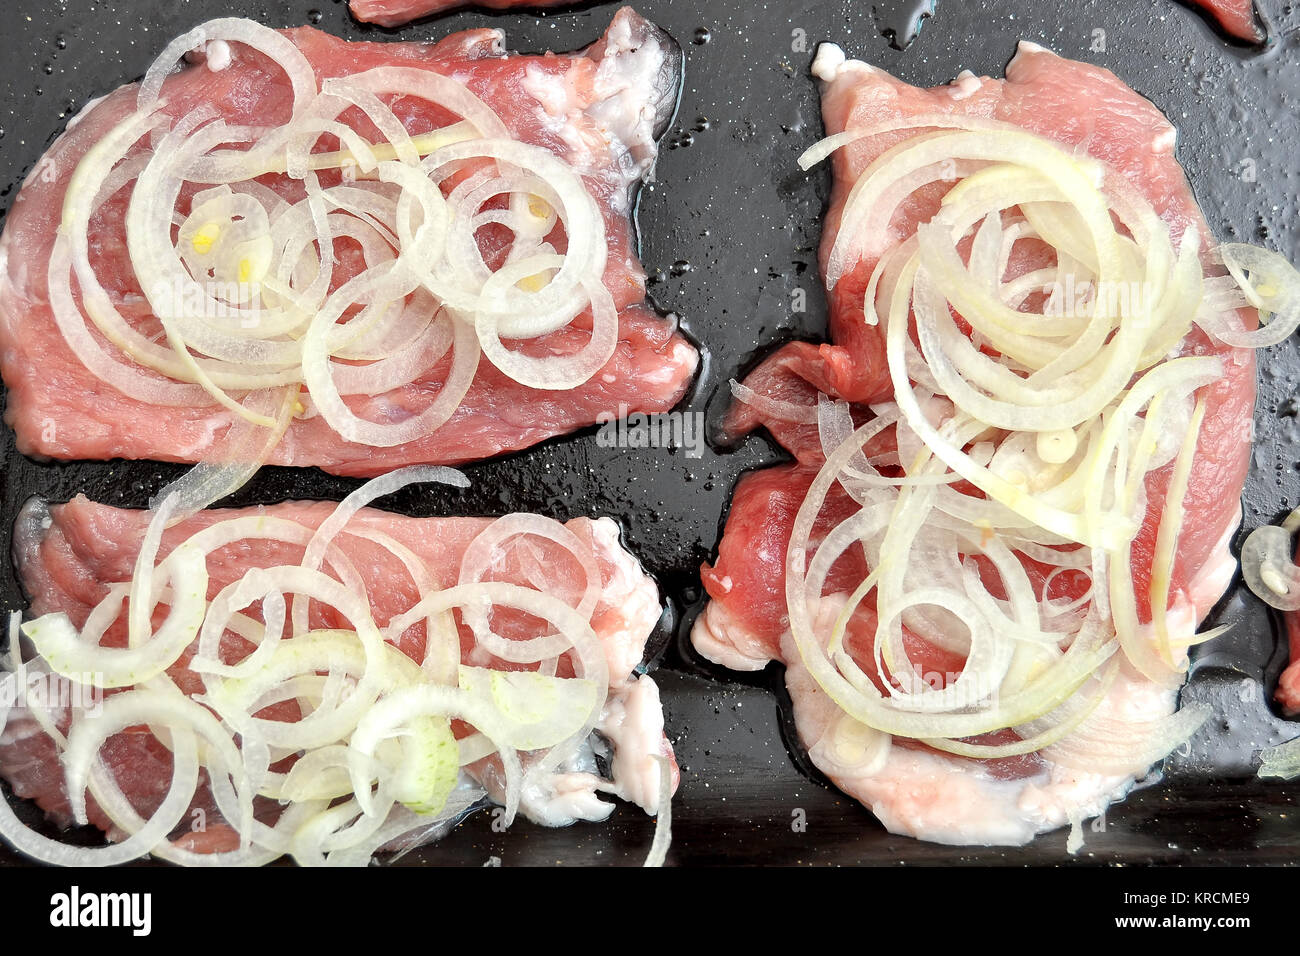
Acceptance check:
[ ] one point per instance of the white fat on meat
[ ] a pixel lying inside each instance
(634, 594)
(631, 734)
(951, 800)
(620, 103)
(631, 725)
(217, 55)
(559, 106)
(830, 63)
(966, 85)
(631, 66)
(724, 641)
(566, 795)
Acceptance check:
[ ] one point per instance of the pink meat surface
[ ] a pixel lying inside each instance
(69, 554)
(598, 109)
(394, 13)
(1236, 17)
(1087, 109)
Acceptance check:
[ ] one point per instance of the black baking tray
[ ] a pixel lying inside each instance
(729, 232)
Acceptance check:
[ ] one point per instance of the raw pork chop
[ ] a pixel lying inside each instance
(598, 110)
(67, 556)
(745, 625)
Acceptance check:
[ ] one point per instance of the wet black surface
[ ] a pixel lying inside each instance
(900, 21)
(729, 233)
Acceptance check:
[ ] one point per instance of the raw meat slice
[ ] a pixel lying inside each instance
(68, 555)
(1236, 17)
(394, 13)
(916, 790)
(598, 110)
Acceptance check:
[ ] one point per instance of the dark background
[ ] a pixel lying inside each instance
(728, 233)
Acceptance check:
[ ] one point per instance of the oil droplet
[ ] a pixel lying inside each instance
(315, 16)
(702, 36)
(61, 43)
(680, 267)
(702, 124)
